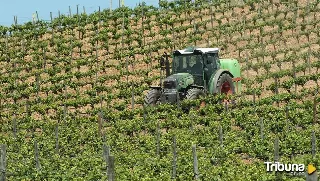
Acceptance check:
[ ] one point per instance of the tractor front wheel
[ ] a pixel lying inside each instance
(152, 97)
(195, 93)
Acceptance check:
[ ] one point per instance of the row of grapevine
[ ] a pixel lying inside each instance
(87, 75)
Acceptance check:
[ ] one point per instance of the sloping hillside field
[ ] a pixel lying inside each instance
(71, 94)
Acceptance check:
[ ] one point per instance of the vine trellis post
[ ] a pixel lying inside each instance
(111, 171)
(97, 60)
(132, 95)
(195, 163)
(70, 12)
(142, 24)
(106, 154)
(261, 128)
(173, 39)
(309, 60)
(195, 30)
(122, 34)
(57, 138)
(65, 108)
(84, 9)
(110, 6)
(52, 28)
(38, 83)
(254, 96)
(314, 175)
(36, 152)
(313, 143)
(294, 75)
(220, 136)
(127, 69)
(15, 125)
(144, 118)
(276, 153)
(211, 17)
(158, 139)
(247, 63)
(3, 162)
(315, 109)
(174, 161)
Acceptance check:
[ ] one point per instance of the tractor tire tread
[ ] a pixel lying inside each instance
(152, 97)
(194, 93)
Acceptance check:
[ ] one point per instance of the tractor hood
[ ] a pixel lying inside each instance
(178, 81)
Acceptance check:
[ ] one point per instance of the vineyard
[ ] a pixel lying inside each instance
(72, 89)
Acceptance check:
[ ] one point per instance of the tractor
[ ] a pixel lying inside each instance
(194, 73)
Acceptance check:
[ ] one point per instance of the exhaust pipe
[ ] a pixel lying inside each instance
(167, 64)
(164, 64)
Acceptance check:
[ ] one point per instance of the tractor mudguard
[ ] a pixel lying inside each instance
(214, 80)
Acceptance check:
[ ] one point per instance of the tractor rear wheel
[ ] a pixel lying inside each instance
(152, 97)
(225, 85)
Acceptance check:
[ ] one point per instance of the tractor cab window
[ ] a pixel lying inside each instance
(192, 61)
(213, 59)
(196, 64)
(180, 63)
(187, 64)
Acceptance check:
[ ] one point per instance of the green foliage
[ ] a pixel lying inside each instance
(54, 67)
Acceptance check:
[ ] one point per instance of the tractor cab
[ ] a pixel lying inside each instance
(201, 63)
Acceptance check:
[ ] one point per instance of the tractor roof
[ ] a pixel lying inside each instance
(191, 50)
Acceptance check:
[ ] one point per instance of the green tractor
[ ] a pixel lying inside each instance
(195, 72)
